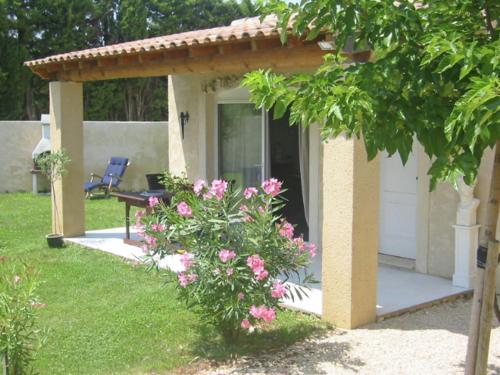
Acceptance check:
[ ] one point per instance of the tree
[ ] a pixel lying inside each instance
(31, 29)
(433, 75)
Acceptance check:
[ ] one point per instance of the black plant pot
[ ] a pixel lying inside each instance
(55, 240)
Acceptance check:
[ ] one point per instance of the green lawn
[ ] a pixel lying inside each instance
(109, 316)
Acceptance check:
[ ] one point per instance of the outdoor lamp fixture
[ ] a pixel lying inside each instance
(326, 45)
(184, 121)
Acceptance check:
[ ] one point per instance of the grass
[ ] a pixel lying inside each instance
(109, 316)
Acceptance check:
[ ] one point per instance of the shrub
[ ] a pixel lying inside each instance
(19, 337)
(233, 246)
(175, 183)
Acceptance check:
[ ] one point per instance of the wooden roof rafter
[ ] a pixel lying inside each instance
(246, 45)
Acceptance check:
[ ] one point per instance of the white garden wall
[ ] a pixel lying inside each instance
(144, 143)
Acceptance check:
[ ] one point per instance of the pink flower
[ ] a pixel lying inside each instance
(312, 250)
(218, 188)
(198, 186)
(226, 255)
(261, 209)
(263, 312)
(279, 290)
(187, 260)
(151, 241)
(183, 280)
(207, 195)
(153, 201)
(157, 227)
(241, 296)
(138, 218)
(217, 270)
(248, 218)
(184, 210)
(244, 208)
(145, 249)
(299, 242)
(256, 312)
(286, 230)
(256, 263)
(245, 324)
(261, 275)
(250, 192)
(272, 186)
(229, 271)
(268, 315)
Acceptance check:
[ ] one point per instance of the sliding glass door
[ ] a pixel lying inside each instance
(241, 143)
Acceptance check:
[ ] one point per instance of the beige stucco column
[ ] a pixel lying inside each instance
(188, 154)
(66, 131)
(350, 216)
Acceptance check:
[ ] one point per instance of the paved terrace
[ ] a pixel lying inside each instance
(398, 290)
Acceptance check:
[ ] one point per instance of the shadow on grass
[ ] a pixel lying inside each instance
(212, 346)
(271, 352)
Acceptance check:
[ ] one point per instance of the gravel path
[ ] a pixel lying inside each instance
(430, 341)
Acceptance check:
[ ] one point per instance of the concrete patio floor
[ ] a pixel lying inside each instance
(398, 290)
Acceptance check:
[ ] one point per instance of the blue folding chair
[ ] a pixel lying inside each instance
(110, 179)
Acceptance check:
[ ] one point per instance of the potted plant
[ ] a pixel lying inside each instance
(53, 166)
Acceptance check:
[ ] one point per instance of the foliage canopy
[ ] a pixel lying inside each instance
(433, 76)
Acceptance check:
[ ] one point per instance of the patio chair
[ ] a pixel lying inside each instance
(111, 178)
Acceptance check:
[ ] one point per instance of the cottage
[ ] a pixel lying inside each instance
(360, 213)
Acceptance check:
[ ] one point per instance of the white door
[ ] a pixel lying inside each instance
(398, 206)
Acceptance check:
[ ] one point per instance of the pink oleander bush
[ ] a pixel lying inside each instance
(233, 246)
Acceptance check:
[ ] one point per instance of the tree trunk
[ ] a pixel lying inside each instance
(470, 359)
(487, 309)
(129, 102)
(5, 363)
(30, 110)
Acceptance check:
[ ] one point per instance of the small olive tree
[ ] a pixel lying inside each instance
(53, 166)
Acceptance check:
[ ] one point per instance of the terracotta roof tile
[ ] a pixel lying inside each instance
(245, 28)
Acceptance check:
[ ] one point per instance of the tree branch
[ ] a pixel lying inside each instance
(487, 17)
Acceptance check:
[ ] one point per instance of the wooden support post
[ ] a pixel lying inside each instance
(487, 309)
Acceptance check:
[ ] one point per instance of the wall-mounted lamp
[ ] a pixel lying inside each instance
(184, 121)
(326, 45)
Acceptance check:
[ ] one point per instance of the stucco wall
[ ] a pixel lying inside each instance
(442, 209)
(144, 143)
(17, 141)
(187, 154)
(488, 191)
(443, 204)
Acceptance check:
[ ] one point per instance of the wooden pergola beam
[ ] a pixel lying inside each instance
(225, 58)
(207, 61)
